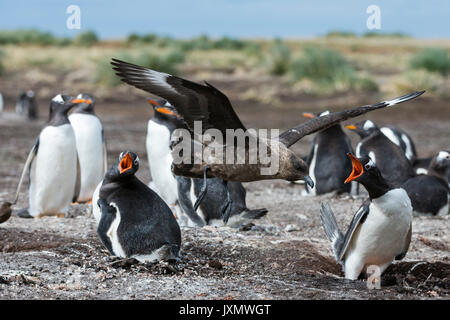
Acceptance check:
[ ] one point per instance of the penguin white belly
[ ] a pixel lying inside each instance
(53, 172)
(160, 161)
(382, 235)
(95, 208)
(88, 135)
(112, 234)
(312, 168)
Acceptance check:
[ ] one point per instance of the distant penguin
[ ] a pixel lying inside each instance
(134, 221)
(53, 164)
(398, 136)
(430, 193)
(389, 158)
(1, 103)
(328, 163)
(26, 105)
(182, 191)
(421, 165)
(91, 146)
(379, 232)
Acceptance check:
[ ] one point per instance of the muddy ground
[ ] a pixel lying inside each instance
(284, 255)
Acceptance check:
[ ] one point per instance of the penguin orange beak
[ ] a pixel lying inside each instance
(78, 101)
(308, 115)
(357, 168)
(351, 127)
(153, 102)
(126, 163)
(165, 111)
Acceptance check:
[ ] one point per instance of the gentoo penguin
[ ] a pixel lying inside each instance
(389, 158)
(396, 135)
(91, 146)
(135, 222)
(182, 191)
(205, 104)
(159, 131)
(421, 165)
(328, 163)
(53, 164)
(381, 229)
(429, 193)
(26, 105)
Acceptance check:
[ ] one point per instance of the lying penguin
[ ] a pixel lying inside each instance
(379, 232)
(398, 136)
(53, 165)
(328, 165)
(389, 157)
(133, 221)
(429, 193)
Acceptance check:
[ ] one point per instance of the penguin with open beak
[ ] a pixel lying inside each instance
(134, 221)
(379, 232)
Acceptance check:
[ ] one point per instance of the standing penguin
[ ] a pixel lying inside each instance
(398, 136)
(429, 193)
(91, 146)
(159, 131)
(53, 164)
(381, 229)
(26, 105)
(389, 158)
(183, 191)
(327, 160)
(135, 222)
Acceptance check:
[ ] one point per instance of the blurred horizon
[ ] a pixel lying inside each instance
(237, 19)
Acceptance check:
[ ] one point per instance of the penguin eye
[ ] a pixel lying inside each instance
(367, 166)
(136, 162)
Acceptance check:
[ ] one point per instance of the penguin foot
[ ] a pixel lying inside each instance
(203, 190)
(90, 201)
(61, 215)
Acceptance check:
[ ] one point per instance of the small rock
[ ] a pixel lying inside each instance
(291, 227)
(215, 264)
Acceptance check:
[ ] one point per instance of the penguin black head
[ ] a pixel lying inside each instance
(87, 106)
(366, 172)
(126, 165)
(440, 164)
(60, 105)
(363, 128)
(163, 108)
(312, 115)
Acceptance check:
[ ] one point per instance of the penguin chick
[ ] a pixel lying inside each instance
(379, 232)
(135, 222)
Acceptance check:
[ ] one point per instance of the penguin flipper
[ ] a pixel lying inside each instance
(255, 213)
(104, 153)
(184, 198)
(108, 214)
(406, 247)
(357, 221)
(76, 192)
(27, 166)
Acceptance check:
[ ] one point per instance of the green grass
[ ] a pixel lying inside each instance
(87, 39)
(279, 58)
(329, 71)
(2, 69)
(433, 60)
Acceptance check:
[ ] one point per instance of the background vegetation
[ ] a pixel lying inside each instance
(339, 61)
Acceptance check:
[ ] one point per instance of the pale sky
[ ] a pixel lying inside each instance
(234, 18)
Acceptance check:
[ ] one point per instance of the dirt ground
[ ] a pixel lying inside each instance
(284, 255)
